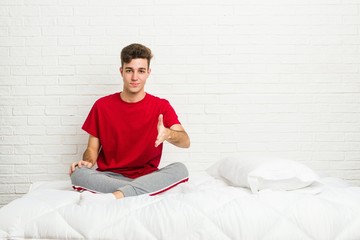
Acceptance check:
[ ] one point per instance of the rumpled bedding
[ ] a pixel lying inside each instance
(203, 208)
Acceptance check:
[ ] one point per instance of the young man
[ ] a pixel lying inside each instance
(126, 134)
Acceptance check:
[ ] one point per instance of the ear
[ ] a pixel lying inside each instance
(149, 70)
(121, 70)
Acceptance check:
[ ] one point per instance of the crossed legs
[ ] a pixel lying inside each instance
(108, 182)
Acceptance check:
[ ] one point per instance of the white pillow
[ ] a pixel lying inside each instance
(263, 173)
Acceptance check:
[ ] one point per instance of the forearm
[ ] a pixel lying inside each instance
(90, 155)
(178, 138)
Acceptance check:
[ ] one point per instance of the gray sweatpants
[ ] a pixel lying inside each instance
(108, 182)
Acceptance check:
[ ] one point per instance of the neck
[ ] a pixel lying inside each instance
(132, 98)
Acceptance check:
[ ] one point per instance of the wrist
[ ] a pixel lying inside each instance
(169, 134)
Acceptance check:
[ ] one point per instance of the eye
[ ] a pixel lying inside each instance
(128, 70)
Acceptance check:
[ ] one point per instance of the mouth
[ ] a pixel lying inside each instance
(134, 84)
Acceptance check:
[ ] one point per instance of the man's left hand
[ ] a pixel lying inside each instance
(163, 132)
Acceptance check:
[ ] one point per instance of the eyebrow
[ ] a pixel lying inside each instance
(138, 68)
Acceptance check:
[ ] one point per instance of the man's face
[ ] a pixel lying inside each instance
(134, 75)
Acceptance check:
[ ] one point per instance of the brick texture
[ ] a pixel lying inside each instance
(271, 78)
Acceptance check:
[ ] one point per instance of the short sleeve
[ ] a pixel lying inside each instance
(170, 116)
(91, 124)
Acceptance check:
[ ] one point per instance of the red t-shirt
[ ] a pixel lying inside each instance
(127, 133)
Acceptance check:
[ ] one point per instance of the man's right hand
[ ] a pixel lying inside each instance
(79, 164)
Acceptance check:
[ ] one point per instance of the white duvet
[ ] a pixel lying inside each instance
(203, 208)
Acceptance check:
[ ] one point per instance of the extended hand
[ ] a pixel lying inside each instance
(163, 132)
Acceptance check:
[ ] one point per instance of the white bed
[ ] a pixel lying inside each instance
(203, 208)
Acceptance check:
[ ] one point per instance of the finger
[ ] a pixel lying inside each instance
(157, 143)
(160, 139)
(83, 163)
(79, 164)
(72, 168)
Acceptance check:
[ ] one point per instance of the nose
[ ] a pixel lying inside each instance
(134, 76)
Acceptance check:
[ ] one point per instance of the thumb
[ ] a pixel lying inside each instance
(161, 120)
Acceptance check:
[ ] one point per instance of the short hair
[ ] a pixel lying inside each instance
(134, 51)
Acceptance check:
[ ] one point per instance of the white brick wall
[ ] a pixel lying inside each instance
(265, 77)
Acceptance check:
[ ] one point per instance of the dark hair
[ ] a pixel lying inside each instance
(134, 51)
